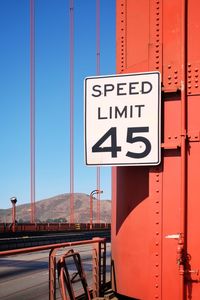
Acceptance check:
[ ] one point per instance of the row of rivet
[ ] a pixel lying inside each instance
(196, 80)
(172, 79)
(157, 49)
(157, 210)
(122, 35)
(157, 227)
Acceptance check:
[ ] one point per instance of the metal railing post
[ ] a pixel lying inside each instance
(52, 275)
(103, 267)
(95, 268)
(99, 267)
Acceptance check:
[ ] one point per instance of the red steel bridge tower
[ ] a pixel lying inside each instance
(155, 216)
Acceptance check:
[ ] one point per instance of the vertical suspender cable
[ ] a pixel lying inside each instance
(32, 107)
(71, 111)
(98, 73)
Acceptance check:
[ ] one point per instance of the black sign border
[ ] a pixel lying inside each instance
(159, 121)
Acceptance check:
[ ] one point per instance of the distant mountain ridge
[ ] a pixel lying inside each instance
(57, 208)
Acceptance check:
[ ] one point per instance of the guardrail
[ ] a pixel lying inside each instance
(95, 263)
(9, 242)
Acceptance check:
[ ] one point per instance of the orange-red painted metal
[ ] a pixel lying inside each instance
(155, 230)
(32, 110)
(71, 7)
(66, 281)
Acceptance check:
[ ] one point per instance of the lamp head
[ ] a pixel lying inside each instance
(13, 200)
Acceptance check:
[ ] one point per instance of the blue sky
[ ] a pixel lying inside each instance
(52, 94)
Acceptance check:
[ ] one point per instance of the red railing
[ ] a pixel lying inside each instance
(23, 227)
(96, 273)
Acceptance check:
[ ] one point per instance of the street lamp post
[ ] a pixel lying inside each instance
(91, 204)
(13, 201)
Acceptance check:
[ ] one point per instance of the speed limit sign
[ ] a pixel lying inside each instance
(122, 119)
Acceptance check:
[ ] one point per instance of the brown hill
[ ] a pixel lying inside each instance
(58, 209)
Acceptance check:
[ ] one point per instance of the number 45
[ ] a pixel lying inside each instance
(113, 149)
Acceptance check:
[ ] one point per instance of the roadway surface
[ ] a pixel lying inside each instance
(25, 276)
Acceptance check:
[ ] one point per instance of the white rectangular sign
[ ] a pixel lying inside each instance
(122, 119)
